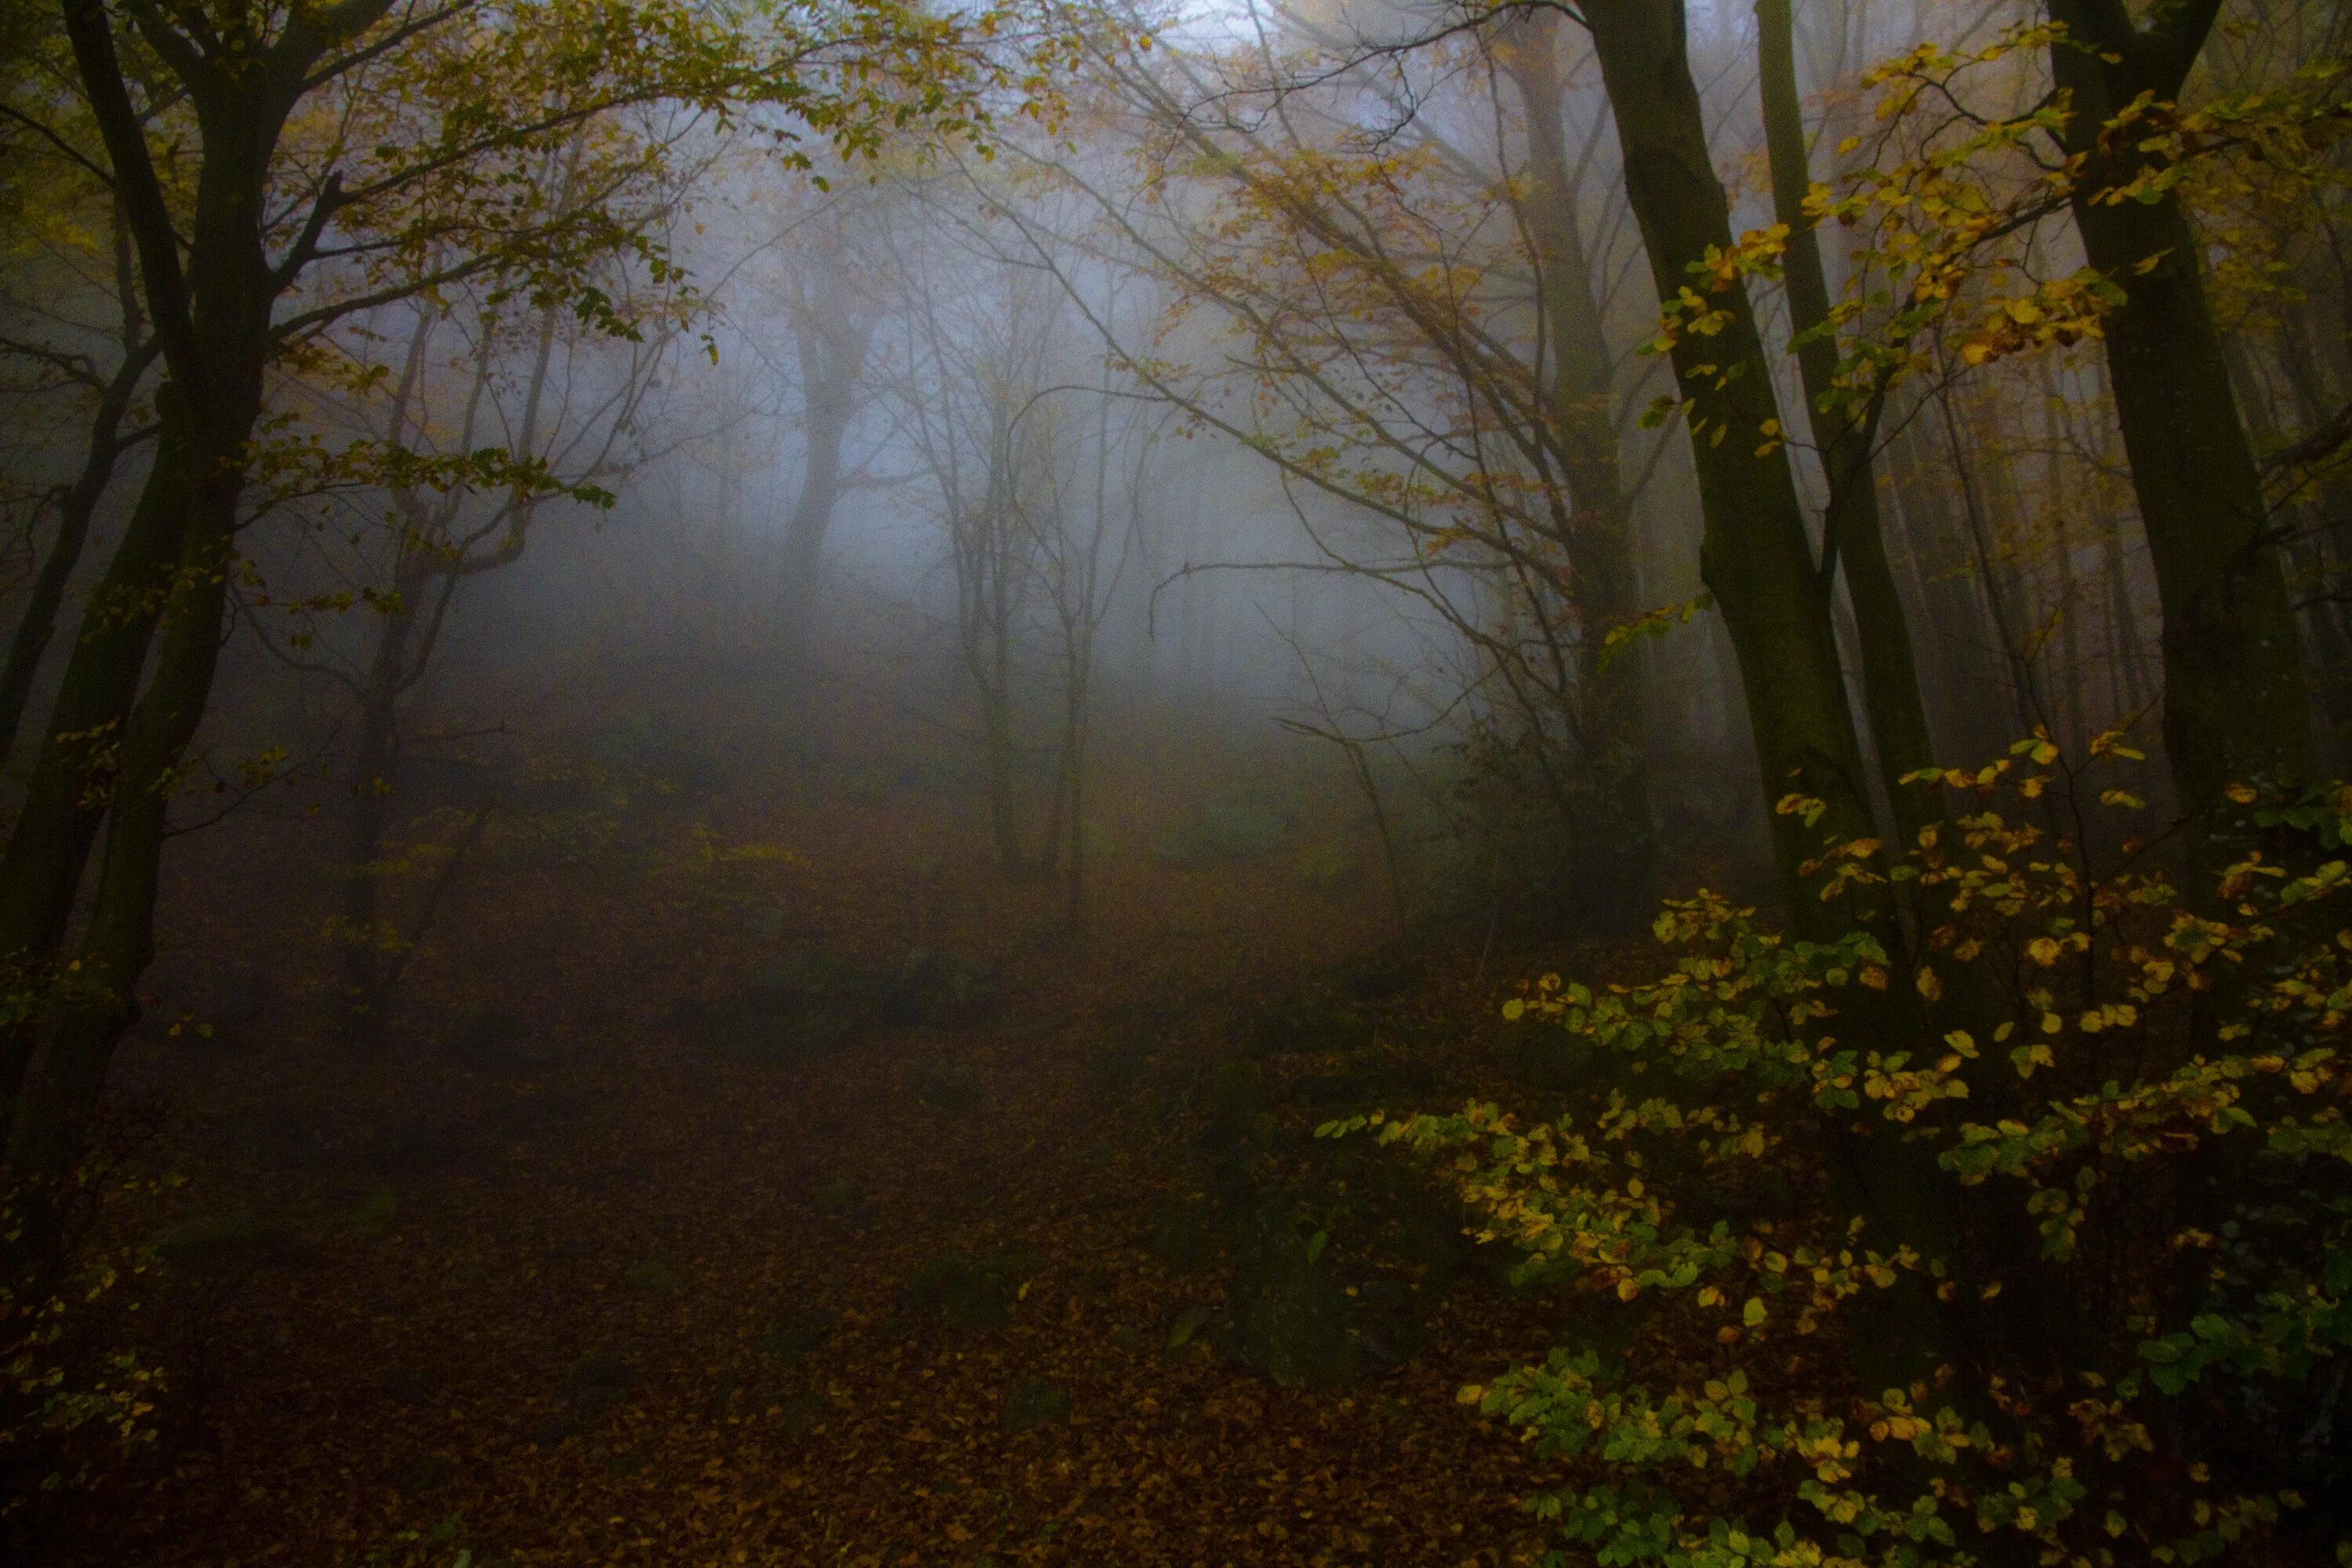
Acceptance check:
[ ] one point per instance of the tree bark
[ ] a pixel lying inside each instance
(1977, 703)
(111, 750)
(2236, 703)
(1616, 837)
(1890, 670)
(1756, 556)
(78, 503)
(833, 337)
(375, 761)
(57, 1103)
(75, 769)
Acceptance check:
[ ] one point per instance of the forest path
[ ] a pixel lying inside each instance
(632, 1300)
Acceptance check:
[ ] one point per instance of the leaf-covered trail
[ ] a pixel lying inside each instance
(534, 1316)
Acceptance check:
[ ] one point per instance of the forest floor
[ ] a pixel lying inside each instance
(598, 1293)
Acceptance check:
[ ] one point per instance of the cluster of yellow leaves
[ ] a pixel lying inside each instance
(1945, 210)
(2062, 1061)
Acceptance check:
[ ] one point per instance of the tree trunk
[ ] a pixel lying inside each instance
(50, 1116)
(833, 339)
(2236, 705)
(1003, 799)
(75, 768)
(1756, 556)
(77, 504)
(1994, 512)
(1616, 837)
(1074, 767)
(109, 749)
(1978, 707)
(1890, 672)
(2314, 566)
(2131, 685)
(375, 753)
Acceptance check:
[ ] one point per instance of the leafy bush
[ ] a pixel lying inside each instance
(75, 1401)
(944, 991)
(2062, 1271)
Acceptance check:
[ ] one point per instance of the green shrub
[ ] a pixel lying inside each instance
(77, 1401)
(2063, 1193)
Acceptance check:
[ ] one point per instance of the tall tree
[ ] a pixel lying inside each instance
(1619, 841)
(1427, 349)
(73, 315)
(974, 388)
(418, 178)
(1756, 555)
(2236, 701)
(1844, 435)
(832, 322)
(572, 418)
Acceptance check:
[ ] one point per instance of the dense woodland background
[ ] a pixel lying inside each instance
(821, 781)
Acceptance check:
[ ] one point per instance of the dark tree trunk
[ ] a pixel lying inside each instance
(77, 504)
(374, 765)
(2236, 703)
(1617, 839)
(113, 752)
(1975, 701)
(835, 335)
(56, 1101)
(1890, 672)
(1757, 556)
(77, 767)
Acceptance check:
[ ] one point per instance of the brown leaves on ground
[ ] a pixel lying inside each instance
(527, 1324)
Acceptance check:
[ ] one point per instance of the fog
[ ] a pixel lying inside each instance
(830, 783)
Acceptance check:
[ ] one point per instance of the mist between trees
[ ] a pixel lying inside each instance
(1225, 713)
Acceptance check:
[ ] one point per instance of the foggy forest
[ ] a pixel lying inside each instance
(1175, 782)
